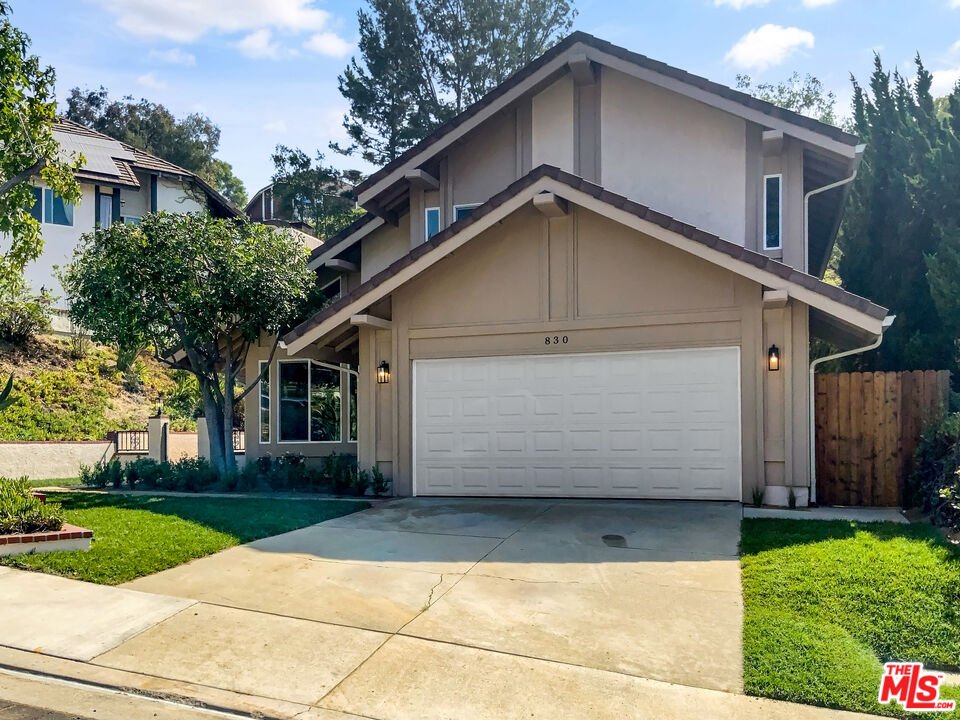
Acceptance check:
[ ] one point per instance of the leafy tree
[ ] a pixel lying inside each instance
(392, 93)
(207, 286)
(190, 142)
(27, 150)
(227, 183)
(423, 61)
(899, 237)
(805, 95)
(319, 194)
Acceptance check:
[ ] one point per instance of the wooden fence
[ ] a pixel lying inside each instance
(868, 425)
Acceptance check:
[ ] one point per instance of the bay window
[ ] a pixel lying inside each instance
(309, 403)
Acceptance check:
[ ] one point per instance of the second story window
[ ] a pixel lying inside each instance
(50, 208)
(332, 290)
(772, 212)
(461, 211)
(432, 222)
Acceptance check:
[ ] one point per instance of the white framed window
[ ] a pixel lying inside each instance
(431, 222)
(333, 289)
(50, 208)
(461, 211)
(772, 212)
(308, 402)
(265, 403)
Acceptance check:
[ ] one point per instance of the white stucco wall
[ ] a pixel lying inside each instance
(676, 155)
(59, 242)
(50, 460)
(553, 125)
(174, 196)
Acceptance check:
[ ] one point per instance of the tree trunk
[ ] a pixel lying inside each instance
(214, 415)
(230, 459)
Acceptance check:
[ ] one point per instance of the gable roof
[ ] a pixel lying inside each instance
(547, 178)
(111, 161)
(775, 114)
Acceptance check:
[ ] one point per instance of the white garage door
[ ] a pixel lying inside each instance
(662, 424)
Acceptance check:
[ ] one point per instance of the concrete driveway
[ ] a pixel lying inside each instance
(437, 608)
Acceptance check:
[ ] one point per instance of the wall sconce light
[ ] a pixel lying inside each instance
(773, 358)
(383, 373)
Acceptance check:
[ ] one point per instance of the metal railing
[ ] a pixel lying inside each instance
(239, 441)
(134, 442)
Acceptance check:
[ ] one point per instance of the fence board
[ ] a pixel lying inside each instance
(867, 428)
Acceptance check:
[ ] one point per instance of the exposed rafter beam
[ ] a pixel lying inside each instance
(371, 321)
(422, 179)
(550, 205)
(772, 143)
(773, 299)
(344, 265)
(582, 70)
(347, 343)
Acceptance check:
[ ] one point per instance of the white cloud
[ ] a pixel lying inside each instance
(276, 126)
(944, 81)
(768, 45)
(259, 44)
(149, 80)
(955, 4)
(173, 56)
(188, 20)
(821, 3)
(327, 43)
(740, 4)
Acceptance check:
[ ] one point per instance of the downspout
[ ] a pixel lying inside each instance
(887, 322)
(858, 154)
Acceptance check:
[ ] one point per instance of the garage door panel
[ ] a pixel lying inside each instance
(645, 424)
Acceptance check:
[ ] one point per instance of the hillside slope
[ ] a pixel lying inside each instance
(65, 392)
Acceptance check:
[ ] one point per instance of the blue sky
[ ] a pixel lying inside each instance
(266, 70)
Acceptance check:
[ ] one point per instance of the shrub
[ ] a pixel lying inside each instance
(378, 483)
(21, 512)
(934, 483)
(23, 316)
(289, 473)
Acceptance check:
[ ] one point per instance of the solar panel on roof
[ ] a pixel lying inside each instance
(98, 152)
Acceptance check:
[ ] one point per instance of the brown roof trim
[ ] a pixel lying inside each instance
(830, 131)
(643, 212)
(339, 238)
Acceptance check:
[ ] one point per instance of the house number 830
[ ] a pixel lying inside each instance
(555, 340)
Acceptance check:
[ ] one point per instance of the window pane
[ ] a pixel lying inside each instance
(37, 210)
(353, 407)
(324, 404)
(433, 222)
(106, 211)
(332, 290)
(462, 212)
(772, 216)
(56, 210)
(294, 379)
(265, 405)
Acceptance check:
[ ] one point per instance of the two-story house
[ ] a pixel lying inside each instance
(601, 280)
(119, 183)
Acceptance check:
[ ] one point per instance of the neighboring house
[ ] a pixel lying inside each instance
(271, 207)
(601, 280)
(119, 184)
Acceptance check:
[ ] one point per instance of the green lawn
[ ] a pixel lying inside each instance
(138, 535)
(826, 603)
(59, 482)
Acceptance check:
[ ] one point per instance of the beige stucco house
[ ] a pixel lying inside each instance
(599, 281)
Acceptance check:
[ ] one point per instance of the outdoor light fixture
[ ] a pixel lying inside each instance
(383, 373)
(773, 358)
